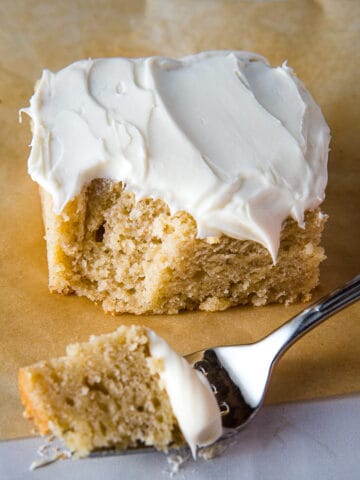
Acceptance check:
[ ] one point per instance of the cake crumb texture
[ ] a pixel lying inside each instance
(134, 256)
(105, 393)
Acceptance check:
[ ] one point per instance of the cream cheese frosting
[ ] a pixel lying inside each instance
(238, 144)
(192, 400)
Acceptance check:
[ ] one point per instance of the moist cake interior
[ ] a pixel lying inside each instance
(134, 256)
(105, 393)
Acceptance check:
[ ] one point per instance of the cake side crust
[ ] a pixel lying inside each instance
(34, 409)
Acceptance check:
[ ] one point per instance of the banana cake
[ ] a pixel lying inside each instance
(180, 184)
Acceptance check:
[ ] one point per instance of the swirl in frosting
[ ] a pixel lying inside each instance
(222, 135)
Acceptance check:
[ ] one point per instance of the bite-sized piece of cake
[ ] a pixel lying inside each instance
(180, 184)
(121, 390)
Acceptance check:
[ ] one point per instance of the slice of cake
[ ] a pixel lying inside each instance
(121, 390)
(180, 184)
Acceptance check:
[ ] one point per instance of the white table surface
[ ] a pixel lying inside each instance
(311, 440)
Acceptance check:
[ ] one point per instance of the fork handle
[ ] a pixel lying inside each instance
(312, 316)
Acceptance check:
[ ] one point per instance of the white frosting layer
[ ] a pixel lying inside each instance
(190, 394)
(222, 135)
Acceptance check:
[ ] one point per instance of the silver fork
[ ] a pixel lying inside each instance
(239, 375)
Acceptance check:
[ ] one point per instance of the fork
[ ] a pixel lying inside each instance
(239, 375)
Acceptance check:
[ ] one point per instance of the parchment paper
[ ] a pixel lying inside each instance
(320, 40)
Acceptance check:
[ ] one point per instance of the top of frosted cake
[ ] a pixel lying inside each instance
(236, 143)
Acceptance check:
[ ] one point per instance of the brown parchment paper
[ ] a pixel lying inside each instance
(320, 40)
